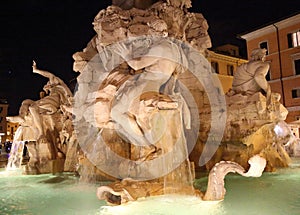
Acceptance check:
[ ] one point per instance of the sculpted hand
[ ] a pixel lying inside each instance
(122, 50)
(34, 68)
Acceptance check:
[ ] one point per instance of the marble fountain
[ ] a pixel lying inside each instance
(149, 130)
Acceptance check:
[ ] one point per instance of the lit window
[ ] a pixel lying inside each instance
(294, 39)
(230, 70)
(295, 93)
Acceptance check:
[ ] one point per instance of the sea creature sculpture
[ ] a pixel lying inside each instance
(127, 189)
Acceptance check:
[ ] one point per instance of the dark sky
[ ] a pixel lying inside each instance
(51, 31)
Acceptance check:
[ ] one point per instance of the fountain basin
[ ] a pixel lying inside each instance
(272, 193)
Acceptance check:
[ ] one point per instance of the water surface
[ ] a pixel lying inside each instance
(271, 194)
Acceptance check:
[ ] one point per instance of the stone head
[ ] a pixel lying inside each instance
(258, 54)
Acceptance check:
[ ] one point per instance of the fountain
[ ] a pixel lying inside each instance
(16, 155)
(133, 123)
(63, 194)
(142, 120)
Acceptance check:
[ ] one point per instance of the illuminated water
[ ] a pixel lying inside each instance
(16, 155)
(272, 194)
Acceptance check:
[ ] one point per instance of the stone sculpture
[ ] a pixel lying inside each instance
(44, 125)
(127, 78)
(25, 121)
(156, 72)
(57, 94)
(250, 77)
(130, 190)
(253, 115)
(113, 25)
(131, 118)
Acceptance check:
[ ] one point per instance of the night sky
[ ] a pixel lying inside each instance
(51, 31)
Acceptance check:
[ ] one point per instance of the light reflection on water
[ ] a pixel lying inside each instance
(273, 193)
(165, 205)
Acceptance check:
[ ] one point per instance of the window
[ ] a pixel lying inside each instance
(268, 76)
(297, 117)
(230, 70)
(215, 66)
(234, 52)
(1, 109)
(1, 119)
(297, 66)
(294, 39)
(264, 45)
(296, 93)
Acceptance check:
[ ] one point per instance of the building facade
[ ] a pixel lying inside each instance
(282, 41)
(3, 115)
(11, 129)
(224, 63)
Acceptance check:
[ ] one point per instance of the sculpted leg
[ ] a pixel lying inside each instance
(37, 120)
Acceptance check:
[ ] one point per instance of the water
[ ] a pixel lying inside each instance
(16, 154)
(46, 195)
(272, 194)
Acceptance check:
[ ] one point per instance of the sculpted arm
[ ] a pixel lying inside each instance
(41, 72)
(260, 77)
(140, 63)
(135, 63)
(15, 119)
(52, 78)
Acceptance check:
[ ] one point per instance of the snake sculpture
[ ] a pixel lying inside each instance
(215, 187)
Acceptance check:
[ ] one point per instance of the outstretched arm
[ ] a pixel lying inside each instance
(42, 72)
(15, 119)
(52, 78)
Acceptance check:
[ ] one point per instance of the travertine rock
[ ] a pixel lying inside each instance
(114, 24)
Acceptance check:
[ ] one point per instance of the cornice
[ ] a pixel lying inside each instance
(214, 55)
(271, 28)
